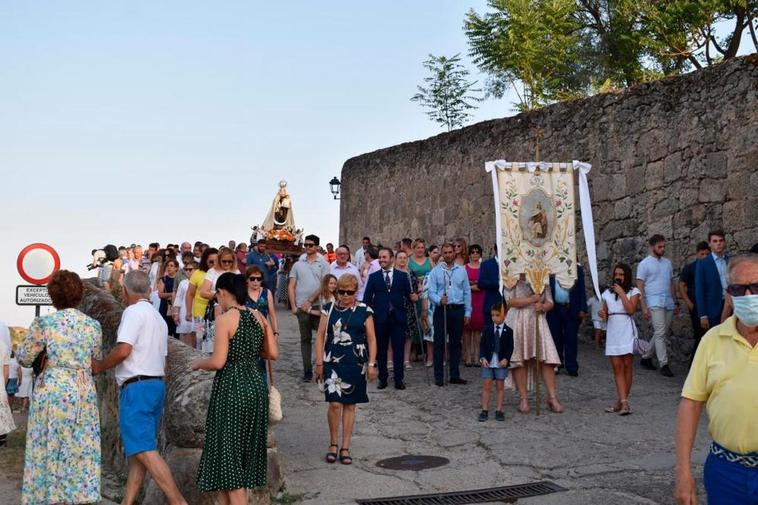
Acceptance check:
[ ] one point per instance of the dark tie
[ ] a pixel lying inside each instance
(387, 279)
(497, 338)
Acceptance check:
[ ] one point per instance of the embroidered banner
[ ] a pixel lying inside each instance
(536, 229)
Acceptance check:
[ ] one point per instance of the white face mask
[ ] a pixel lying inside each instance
(746, 309)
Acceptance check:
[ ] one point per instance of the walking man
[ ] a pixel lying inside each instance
(342, 265)
(450, 292)
(655, 280)
(710, 282)
(489, 282)
(140, 361)
(258, 256)
(386, 293)
(687, 292)
(304, 283)
(569, 310)
(360, 254)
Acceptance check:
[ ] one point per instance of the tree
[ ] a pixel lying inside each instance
(448, 94)
(563, 48)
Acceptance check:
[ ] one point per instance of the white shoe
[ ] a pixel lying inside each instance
(407, 365)
(429, 364)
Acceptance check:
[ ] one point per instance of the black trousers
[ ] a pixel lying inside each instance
(455, 314)
(697, 332)
(390, 332)
(564, 328)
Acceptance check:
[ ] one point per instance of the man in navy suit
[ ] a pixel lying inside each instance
(386, 292)
(569, 309)
(489, 282)
(710, 281)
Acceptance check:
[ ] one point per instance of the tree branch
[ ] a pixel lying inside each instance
(739, 26)
(752, 32)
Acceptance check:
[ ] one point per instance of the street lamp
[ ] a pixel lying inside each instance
(334, 186)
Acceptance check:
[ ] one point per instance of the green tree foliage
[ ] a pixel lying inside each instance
(555, 49)
(448, 94)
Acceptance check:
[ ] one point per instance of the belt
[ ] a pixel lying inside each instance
(747, 460)
(562, 304)
(139, 378)
(453, 305)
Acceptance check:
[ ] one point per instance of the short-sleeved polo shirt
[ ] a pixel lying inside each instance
(724, 374)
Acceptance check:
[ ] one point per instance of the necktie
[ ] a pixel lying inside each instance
(497, 338)
(387, 279)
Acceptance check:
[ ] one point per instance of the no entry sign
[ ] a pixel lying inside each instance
(36, 263)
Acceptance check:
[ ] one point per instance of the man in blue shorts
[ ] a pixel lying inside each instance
(140, 361)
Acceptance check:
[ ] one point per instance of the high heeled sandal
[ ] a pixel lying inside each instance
(625, 408)
(523, 406)
(554, 405)
(331, 457)
(345, 460)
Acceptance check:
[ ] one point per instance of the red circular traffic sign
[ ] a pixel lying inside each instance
(36, 263)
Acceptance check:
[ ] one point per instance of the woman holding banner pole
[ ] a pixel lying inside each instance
(527, 312)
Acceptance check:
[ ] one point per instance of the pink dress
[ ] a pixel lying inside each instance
(524, 325)
(477, 302)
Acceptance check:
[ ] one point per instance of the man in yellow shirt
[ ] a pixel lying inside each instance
(724, 377)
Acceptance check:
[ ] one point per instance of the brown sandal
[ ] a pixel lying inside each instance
(614, 409)
(554, 405)
(625, 408)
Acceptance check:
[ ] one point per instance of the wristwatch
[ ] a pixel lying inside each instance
(372, 365)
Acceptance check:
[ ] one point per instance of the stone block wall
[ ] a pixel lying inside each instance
(677, 157)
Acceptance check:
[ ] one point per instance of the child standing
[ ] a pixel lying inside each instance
(597, 322)
(495, 352)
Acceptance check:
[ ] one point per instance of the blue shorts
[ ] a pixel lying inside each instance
(140, 406)
(495, 374)
(728, 483)
(12, 387)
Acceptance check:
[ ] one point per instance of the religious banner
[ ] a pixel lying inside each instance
(535, 222)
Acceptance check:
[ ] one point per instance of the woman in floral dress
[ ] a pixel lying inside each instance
(527, 312)
(345, 355)
(62, 458)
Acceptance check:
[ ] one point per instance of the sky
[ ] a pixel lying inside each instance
(141, 121)
(134, 122)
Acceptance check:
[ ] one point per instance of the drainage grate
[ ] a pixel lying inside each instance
(508, 494)
(412, 462)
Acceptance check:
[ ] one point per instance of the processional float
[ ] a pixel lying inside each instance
(536, 228)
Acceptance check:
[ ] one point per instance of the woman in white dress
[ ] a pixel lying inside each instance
(619, 305)
(25, 388)
(184, 327)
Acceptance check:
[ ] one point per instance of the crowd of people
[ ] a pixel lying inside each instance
(375, 314)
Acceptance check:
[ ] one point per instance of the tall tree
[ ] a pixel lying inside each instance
(564, 48)
(448, 94)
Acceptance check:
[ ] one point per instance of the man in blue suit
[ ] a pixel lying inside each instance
(710, 281)
(489, 282)
(569, 309)
(386, 293)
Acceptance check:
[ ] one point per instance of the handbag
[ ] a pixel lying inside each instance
(274, 398)
(40, 362)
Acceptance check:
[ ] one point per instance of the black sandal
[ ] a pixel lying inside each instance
(331, 457)
(345, 460)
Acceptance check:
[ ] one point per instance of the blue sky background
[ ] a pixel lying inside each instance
(166, 121)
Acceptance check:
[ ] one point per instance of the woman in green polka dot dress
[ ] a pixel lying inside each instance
(234, 454)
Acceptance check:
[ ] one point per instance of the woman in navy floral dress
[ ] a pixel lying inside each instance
(345, 359)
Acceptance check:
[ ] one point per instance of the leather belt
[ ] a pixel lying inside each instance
(139, 378)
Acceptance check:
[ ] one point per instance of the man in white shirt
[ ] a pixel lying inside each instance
(655, 280)
(342, 265)
(140, 361)
(360, 254)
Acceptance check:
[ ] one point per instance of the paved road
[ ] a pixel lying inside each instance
(600, 458)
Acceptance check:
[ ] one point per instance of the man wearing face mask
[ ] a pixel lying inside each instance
(724, 378)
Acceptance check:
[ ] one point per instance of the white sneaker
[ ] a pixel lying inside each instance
(407, 365)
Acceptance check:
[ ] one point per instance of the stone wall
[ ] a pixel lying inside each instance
(182, 431)
(677, 156)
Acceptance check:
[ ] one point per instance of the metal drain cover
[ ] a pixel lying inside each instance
(507, 494)
(412, 462)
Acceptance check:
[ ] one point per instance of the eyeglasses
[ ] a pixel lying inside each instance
(346, 292)
(255, 278)
(189, 269)
(309, 244)
(741, 289)
(457, 246)
(227, 262)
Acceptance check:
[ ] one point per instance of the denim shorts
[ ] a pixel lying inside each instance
(12, 387)
(140, 406)
(496, 374)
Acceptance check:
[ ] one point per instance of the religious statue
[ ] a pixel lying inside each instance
(280, 216)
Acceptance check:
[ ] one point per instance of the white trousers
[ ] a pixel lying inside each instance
(661, 320)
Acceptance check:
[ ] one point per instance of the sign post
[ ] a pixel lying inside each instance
(36, 263)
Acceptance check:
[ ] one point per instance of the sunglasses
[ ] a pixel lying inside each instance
(227, 262)
(741, 289)
(346, 292)
(457, 246)
(189, 269)
(475, 251)
(255, 279)
(309, 244)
